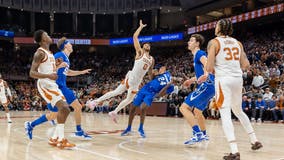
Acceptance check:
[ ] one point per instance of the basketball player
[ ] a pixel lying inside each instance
(227, 59)
(197, 101)
(62, 56)
(3, 99)
(159, 86)
(44, 69)
(142, 64)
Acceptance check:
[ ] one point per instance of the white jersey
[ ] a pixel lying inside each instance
(48, 88)
(141, 67)
(227, 63)
(2, 89)
(47, 66)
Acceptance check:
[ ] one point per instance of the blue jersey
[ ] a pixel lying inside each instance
(62, 72)
(204, 91)
(159, 82)
(198, 66)
(148, 92)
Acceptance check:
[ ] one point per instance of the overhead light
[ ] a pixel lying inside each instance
(79, 12)
(22, 9)
(104, 13)
(41, 11)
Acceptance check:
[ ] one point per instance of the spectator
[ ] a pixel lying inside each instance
(274, 109)
(260, 107)
(257, 80)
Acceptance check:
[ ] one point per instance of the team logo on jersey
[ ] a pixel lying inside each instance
(198, 92)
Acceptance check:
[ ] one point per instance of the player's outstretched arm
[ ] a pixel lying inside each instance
(212, 51)
(136, 40)
(39, 56)
(76, 73)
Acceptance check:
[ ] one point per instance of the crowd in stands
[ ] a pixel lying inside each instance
(263, 82)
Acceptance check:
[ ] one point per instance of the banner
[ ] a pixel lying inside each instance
(8, 34)
(154, 38)
(240, 18)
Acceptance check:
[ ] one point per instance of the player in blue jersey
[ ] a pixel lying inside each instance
(159, 86)
(66, 49)
(197, 101)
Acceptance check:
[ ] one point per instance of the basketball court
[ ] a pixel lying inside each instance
(165, 137)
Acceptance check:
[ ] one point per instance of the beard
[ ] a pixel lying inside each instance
(147, 49)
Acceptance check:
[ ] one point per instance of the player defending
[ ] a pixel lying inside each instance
(226, 57)
(44, 69)
(143, 62)
(63, 56)
(197, 101)
(159, 86)
(3, 98)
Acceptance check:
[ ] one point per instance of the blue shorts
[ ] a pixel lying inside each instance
(52, 109)
(201, 96)
(143, 96)
(68, 94)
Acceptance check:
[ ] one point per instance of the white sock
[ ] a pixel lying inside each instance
(8, 116)
(60, 131)
(55, 133)
(234, 147)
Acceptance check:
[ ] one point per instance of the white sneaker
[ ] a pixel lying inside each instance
(9, 121)
(91, 105)
(113, 116)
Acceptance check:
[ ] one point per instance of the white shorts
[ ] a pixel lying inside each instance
(132, 84)
(49, 91)
(228, 91)
(3, 100)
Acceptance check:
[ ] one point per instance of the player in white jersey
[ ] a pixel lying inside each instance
(227, 59)
(44, 69)
(3, 98)
(142, 64)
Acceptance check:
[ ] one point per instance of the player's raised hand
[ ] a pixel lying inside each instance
(86, 71)
(142, 25)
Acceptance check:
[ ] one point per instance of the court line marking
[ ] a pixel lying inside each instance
(120, 145)
(77, 148)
